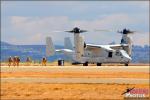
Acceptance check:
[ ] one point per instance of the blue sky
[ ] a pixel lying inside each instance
(29, 22)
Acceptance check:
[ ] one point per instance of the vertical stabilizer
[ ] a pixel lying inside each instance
(50, 49)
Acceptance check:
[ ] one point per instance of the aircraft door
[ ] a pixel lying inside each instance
(119, 57)
(110, 54)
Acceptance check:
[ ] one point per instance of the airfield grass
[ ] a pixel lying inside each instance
(45, 91)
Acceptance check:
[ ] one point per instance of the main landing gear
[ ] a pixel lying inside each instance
(99, 64)
(126, 64)
(85, 64)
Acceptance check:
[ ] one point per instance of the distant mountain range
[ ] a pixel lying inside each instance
(36, 52)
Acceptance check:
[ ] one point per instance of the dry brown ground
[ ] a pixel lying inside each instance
(106, 74)
(43, 91)
(47, 91)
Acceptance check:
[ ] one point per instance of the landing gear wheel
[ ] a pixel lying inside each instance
(126, 64)
(85, 64)
(99, 64)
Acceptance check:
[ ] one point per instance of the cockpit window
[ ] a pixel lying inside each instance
(118, 53)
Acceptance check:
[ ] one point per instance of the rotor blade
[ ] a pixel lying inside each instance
(61, 31)
(81, 31)
(119, 31)
(57, 31)
(132, 31)
(69, 31)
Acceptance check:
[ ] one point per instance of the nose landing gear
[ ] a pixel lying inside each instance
(85, 64)
(99, 64)
(126, 64)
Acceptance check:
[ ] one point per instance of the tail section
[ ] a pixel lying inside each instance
(67, 43)
(50, 49)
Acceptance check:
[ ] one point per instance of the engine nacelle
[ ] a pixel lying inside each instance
(79, 46)
(127, 40)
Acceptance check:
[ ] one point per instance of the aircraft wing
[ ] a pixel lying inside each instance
(118, 45)
(92, 46)
(106, 47)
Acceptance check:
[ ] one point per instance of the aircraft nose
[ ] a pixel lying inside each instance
(128, 59)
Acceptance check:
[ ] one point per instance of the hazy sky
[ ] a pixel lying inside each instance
(29, 22)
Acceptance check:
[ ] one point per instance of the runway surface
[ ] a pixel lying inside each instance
(75, 68)
(77, 80)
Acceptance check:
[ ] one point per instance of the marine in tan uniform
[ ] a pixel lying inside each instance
(17, 61)
(14, 61)
(28, 61)
(10, 60)
(44, 61)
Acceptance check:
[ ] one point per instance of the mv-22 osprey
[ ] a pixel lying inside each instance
(91, 53)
